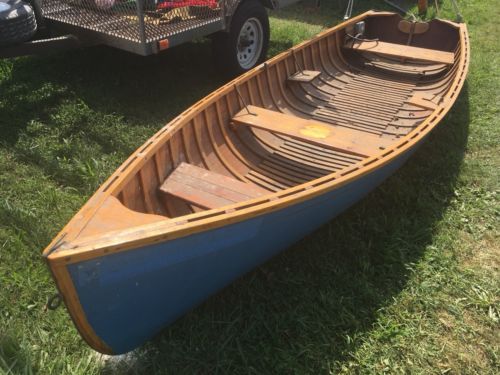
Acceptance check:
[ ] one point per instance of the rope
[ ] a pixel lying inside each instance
(357, 37)
(348, 11)
(457, 11)
(243, 100)
(437, 7)
(402, 10)
(297, 65)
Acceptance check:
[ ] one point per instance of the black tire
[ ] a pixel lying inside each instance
(225, 45)
(17, 22)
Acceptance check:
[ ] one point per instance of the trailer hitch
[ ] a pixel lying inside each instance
(41, 46)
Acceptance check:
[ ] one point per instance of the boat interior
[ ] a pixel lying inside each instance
(323, 109)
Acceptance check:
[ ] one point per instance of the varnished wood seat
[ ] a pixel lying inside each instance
(311, 131)
(403, 51)
(207, 189)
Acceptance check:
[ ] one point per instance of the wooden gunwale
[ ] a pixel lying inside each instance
(95, 246)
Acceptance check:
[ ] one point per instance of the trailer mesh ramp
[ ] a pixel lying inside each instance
(142, 22)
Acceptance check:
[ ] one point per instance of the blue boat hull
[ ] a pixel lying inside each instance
(128, 297)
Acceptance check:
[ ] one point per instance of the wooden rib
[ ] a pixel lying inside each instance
(218, 150)
(228, 150)
(160, 178)
(267, 160)
(272, 87)
(175, 206)
(281, 78)
(229, 139)
(145, 194)
(244, 138)
(192, 147)
(286, 110)
(281, 179)
(257, 175)
(195, 129)
(268, 103)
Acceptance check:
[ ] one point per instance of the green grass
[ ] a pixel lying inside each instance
(407, 281)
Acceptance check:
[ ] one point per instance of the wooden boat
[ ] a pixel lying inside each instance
(252, 168)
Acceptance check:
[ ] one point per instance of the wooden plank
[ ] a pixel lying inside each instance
(423, 100)
(304, 76)
(207, 189)
(194, 195)
(310, 131)
(399, 50)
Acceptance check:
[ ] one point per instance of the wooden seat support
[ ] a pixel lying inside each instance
(207, 189)
(304, 76)
(400, 50)
(316, 132)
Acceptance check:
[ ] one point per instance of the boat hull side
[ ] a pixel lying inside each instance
(128, 297)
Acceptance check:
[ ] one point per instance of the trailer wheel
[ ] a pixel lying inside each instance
(246, 43)
(17, 22)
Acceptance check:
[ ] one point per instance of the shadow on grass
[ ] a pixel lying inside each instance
(309, 309)
(146, 90)
(328, 14)
(13, 358)
(77, 115)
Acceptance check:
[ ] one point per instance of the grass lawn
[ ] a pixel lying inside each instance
(407, 281)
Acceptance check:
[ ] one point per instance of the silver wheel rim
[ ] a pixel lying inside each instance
(250, 42)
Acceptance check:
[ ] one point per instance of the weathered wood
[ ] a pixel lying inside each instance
(207, 189)
(310, 131)
(399, 50)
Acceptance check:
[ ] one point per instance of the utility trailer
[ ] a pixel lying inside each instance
(239, 28)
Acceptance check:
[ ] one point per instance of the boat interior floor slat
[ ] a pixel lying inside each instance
(364, 104)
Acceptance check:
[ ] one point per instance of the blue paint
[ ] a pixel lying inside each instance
(130, 296)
